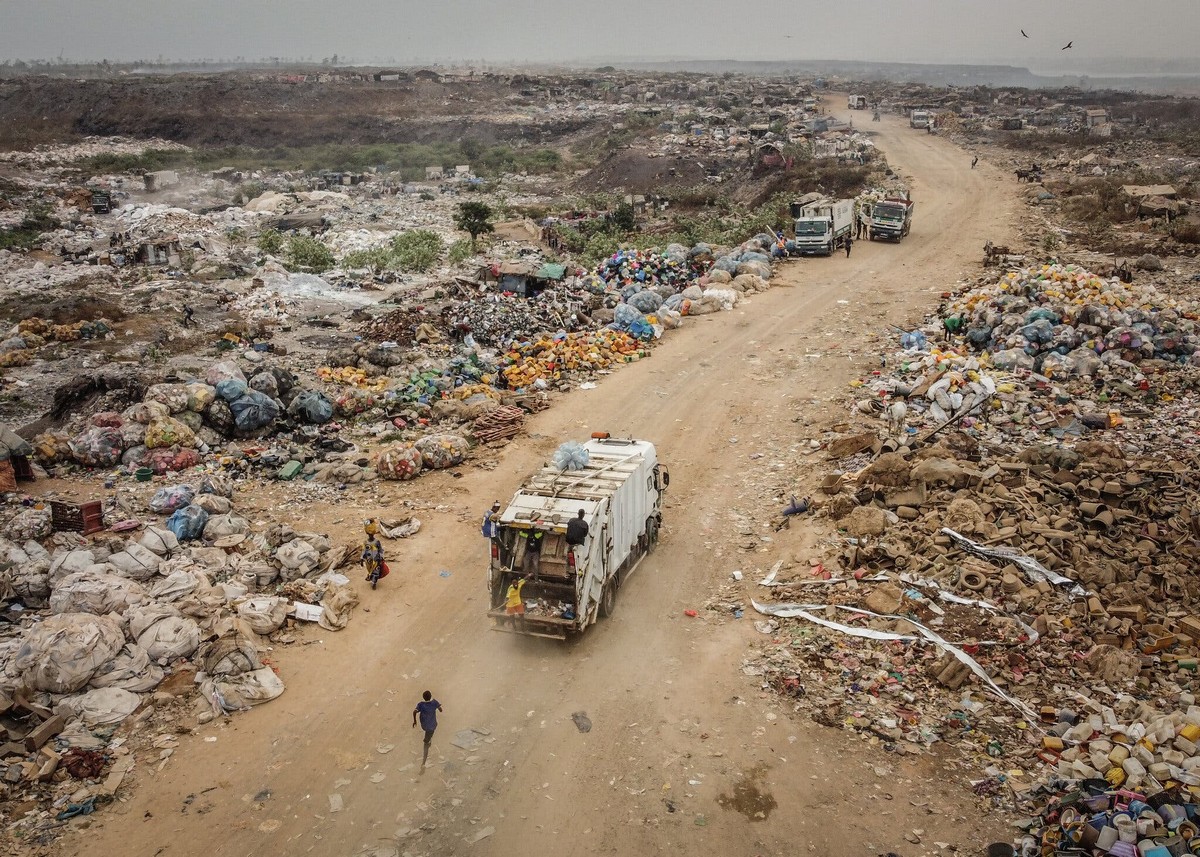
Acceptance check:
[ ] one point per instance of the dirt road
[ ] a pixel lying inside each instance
(685, 753)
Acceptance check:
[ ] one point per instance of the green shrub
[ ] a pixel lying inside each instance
(308, 254)
(460, 251)
(270, 241)
(418, 250)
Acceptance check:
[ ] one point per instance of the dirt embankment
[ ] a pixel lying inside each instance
(231, 110)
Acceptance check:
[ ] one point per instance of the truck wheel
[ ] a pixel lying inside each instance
(608, 599)
(651, 534)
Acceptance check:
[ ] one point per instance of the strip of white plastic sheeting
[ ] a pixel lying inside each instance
(944, 595)
(1032, 568)
(801, 611)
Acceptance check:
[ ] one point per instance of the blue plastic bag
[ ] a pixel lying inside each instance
(188, 523)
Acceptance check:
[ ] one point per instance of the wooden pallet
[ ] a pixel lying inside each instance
(498, 424)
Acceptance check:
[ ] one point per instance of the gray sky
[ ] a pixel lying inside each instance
(556, 30)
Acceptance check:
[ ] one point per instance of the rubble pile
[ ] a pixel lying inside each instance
(1017, 587)
(99, 623)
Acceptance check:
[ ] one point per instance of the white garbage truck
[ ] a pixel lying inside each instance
(567, 587)
(822, 226)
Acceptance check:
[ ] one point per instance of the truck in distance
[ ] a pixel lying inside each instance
(891, 218)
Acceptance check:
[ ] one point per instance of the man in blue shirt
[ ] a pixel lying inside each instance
(427, 709)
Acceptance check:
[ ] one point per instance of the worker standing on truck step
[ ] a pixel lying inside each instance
(577, 530)
(491, 522)
(514, 606)
(532, 563)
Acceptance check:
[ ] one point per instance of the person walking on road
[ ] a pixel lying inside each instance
(849, 244)
(491, 522)
(974, 161)
(427, 709)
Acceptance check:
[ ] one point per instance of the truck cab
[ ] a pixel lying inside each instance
(857, 102)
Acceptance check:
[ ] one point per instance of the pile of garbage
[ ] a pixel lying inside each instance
(177, 423)
(1025, 596)
(1062, 320)
(497, 319)
(97, 624)
(550, 358)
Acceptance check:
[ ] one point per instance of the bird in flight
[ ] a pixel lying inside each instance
(1067, 45)
(1025, 34)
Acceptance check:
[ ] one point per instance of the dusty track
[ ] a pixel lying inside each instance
(665, 694)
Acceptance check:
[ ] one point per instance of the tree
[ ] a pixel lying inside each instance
(475, 218)
(624, 217)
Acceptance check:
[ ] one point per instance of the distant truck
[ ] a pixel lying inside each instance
(620, 492)
(891, 218)
(919, 119)
(822, 226)
(857, 102)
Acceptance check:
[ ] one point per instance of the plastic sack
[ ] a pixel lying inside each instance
(624, 315)
(100, 707)
(200, 396)
(29, 524)
(266, 383)
(173, 396)
(913, 340)
(231, 389)
(61, 653)
(163, 633)
(298, 557)
(223, 371)
(136, 457)
(439, 451)
(1012, 358)
(176, 585)
(100, 594)
(265, 614)
(137, 562)
(645, 301)
(399, 463)
(250, 688)
(253, 411)
(229, 524)
(98, 447)
(219, 417)
(130, 669)
(144, 412)
(312, 407)
(725, 298)
(172, 459)
(336, 606)
(719, 277)
(107, 419)
(166, 431)
(52, 447)
(570, 456)
(214, 504)
(159, 541)
(188, 523)
(170, 498)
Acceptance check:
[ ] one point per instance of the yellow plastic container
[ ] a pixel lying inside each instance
(1115, 776)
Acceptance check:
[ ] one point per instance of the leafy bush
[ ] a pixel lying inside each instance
(24, 236)
(418, 250)
(377, 259)
(308, 254)
(270, 241)
(460, 251)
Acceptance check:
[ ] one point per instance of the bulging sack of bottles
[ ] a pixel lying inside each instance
(439, 451)
(188, 523)
(399, 463)
(167, 431)
(570, 456)
(170, 498)
(98, 447)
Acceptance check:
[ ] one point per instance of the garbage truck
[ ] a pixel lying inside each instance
(891, 218)
(919, 119)
(857, 102)
(822, 226)
(568, 587)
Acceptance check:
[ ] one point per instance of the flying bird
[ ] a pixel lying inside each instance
(1025, 34)
(1067, 45)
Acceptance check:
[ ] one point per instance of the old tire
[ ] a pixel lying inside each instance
(608, 599)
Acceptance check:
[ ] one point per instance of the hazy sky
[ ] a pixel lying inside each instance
(557, 30)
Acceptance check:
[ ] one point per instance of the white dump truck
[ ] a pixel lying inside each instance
(919, 119)
(857, 102)
(822, 226)
(620, 493)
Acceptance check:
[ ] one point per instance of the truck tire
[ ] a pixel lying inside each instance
(651, 534)
(608, 599)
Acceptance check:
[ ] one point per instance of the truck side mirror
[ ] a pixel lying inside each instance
(665, 476)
